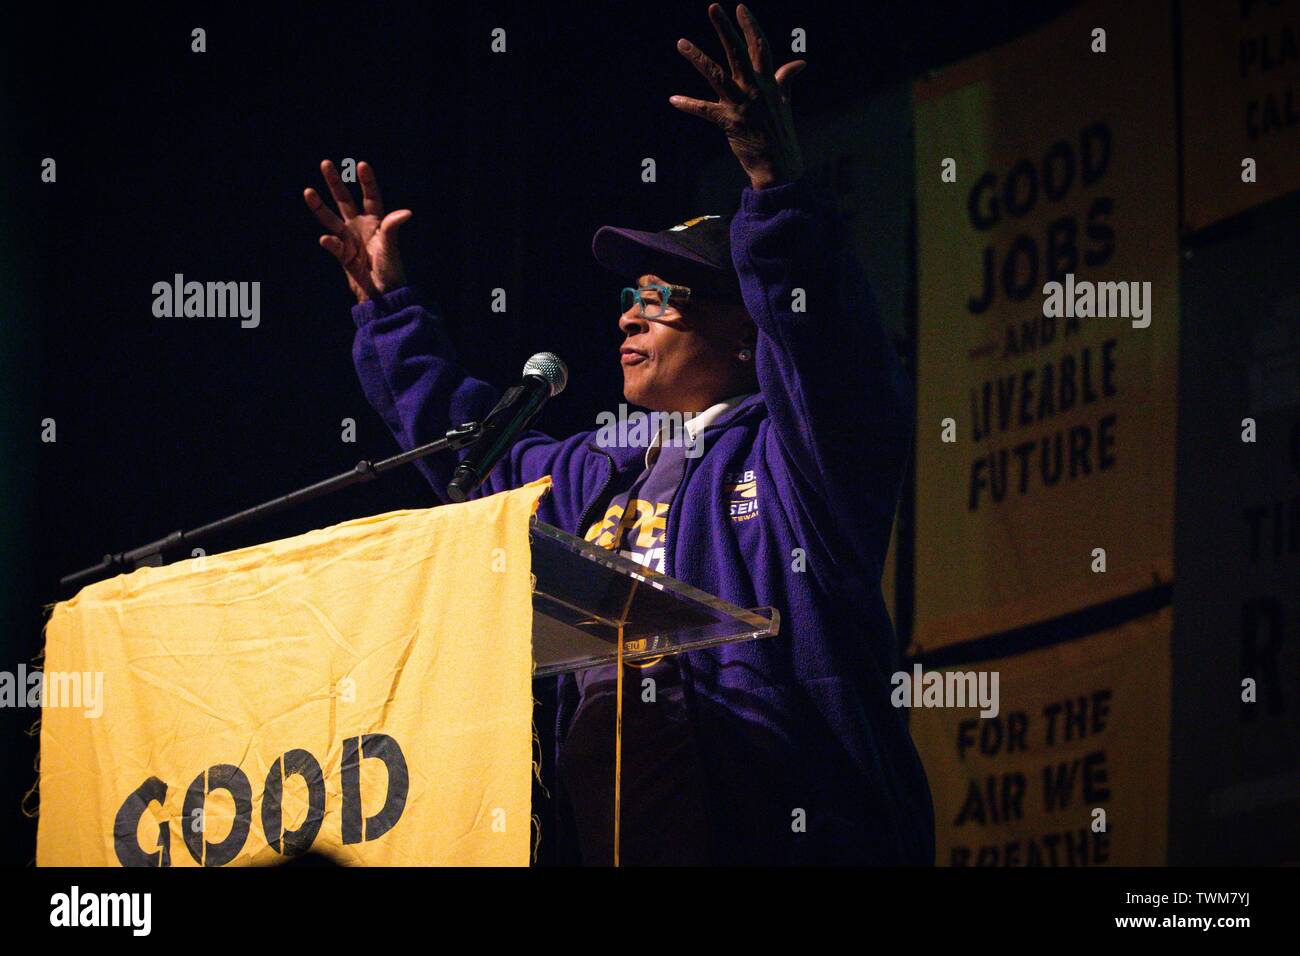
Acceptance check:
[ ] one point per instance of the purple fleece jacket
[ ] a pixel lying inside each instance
(802, 721)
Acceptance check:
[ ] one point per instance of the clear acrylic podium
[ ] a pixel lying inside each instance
(593, 607)
(590, 604)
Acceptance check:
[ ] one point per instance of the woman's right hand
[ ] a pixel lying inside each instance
(364, 242)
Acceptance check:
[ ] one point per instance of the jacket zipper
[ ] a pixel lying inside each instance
(732, 418)
(563, 681)
(685, 670)
(584, 519)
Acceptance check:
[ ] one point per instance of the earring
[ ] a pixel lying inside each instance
(744, 355)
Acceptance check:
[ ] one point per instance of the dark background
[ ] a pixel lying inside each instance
(171, 161)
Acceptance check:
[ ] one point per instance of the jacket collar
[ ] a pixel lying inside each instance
(628, 456)
(696, 424)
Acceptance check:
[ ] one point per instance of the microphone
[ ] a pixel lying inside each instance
(545, 376)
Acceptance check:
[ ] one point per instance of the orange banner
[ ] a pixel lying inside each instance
(1048, 325)
(1072, 770)
(363, 691)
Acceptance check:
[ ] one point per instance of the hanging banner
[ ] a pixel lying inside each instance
(363, 691)
(1048, 313)
(1241, 105)
(1235, 790)
(1071, 770)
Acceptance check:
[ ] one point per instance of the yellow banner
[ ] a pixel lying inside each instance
(363, 691)
(1072, 770)
(1241, 105)
(1047, 327)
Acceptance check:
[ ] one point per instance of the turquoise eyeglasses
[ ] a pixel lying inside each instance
(653, 300)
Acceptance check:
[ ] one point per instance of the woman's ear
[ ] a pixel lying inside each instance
(748, 341)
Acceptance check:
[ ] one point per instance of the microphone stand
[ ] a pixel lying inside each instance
(151, 554)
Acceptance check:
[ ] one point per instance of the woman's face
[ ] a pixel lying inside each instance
(685, 359)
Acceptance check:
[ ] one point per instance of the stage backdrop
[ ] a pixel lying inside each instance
(1074, 769)
(1241, 100)
(1064, 165)
(363, 690)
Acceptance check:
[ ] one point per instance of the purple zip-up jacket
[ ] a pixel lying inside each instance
(803, 756)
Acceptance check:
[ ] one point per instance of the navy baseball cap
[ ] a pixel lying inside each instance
(695, 253)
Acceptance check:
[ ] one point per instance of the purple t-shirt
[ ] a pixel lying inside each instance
(659, 769)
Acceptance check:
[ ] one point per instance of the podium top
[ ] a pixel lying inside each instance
(587, 598)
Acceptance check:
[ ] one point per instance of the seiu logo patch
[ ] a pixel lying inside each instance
(741, 489)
